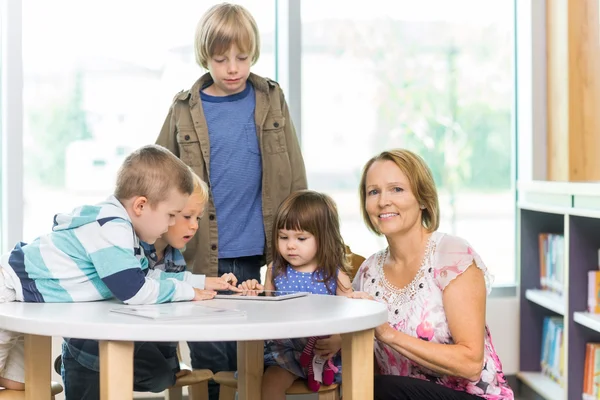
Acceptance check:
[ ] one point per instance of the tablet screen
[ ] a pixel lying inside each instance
(259, 294)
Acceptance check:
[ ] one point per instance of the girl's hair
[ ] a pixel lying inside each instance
(316, 213)
(421, 184)
(223, 25)
(200, 187)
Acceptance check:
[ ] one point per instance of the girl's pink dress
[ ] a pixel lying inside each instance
(418, 310)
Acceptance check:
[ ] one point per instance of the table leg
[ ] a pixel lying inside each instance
(357, 365)
(38, 367)
(250, 360)
(116, 370)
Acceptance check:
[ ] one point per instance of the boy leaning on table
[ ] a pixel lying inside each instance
(94, 253)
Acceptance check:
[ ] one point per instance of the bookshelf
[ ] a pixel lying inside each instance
(572, 210)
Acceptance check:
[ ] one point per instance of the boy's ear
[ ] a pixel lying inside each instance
(139, 204)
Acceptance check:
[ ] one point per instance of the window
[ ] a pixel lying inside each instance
(2, 96)
(100, 85)
(428, 76)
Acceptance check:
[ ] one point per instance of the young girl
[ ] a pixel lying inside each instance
(309, 256)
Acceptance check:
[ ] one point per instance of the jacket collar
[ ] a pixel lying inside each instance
(258, 82)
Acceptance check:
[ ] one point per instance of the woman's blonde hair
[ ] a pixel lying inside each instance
(223, 25)
(200, 187)
(421, 184)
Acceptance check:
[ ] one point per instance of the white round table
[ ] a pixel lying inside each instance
(300, 317)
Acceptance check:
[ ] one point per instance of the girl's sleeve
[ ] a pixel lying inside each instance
(452, 257)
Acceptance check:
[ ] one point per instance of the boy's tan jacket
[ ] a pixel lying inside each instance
(185, 133)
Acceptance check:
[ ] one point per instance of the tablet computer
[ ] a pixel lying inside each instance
(267, 295)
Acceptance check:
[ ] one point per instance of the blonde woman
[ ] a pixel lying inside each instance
(436, 344)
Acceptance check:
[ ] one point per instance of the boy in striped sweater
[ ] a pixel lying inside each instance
(94, 253)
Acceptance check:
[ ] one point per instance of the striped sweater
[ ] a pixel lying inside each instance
(93, 254)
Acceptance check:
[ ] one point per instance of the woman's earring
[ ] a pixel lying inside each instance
(422, 207)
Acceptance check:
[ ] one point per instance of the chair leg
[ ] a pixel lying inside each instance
(227, 393)
(331, 395)
(199, 391)
(175, 393)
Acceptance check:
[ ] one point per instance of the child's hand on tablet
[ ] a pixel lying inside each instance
(225, 282)
(251, 285)
(200, 294)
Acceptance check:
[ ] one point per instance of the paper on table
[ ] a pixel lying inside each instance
(168, 311)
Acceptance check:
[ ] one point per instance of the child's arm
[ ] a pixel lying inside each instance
(225, 282)
(111, 251)
(344, 286)
(196, 280)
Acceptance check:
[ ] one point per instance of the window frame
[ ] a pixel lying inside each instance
(12, 124)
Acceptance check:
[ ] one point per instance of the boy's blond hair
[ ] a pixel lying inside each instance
(223, 25)
(153, 172)
(200, 187)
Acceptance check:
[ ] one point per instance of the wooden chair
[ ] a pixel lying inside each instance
(195, 380)
(355, 263)
(5, 394)
(228, 387)
(228, 382)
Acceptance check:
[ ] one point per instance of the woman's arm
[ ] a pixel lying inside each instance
(464, 302)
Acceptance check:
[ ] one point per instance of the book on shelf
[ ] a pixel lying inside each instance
(179, 311)
(593, 302)
(552, 265)
(591, 372)
(594, 289)
(552, 355)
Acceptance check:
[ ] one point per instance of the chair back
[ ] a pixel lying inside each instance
(356, 261)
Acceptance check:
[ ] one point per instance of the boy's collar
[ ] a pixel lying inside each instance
(205, 80)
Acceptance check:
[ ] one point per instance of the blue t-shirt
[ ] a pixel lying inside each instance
(235, 172)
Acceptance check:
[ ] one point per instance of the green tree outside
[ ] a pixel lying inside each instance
(52, 130)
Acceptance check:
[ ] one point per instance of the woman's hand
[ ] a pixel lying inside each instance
(383, 332)
(225, 282)
(328, 347)
(360, 295)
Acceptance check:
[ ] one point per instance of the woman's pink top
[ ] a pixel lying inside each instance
(418, 311)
